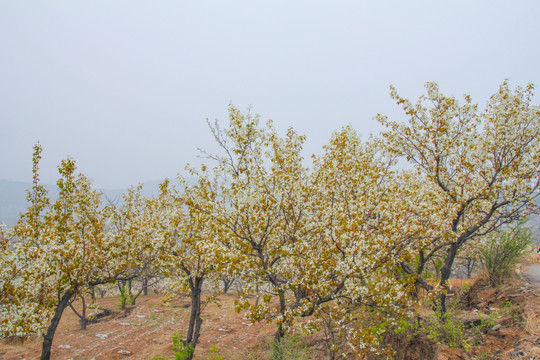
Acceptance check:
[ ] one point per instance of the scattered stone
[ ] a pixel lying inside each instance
(225, 330)
(64, 346)
(514, 296)
(124, 352)
(505, 320)
(102, 336)
(473, 318)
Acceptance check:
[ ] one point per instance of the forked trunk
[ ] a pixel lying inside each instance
(195, 321)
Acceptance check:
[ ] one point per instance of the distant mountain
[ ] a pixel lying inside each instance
(12, 200)
(150, 188)
(13, 196)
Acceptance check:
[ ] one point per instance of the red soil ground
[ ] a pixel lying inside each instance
(145, 331)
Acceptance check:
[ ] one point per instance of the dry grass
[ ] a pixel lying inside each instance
(530, 258)
(532, 322)
(147, 329)
(459, 283)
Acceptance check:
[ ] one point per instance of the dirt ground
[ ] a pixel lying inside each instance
(145, 331)
(513, 308)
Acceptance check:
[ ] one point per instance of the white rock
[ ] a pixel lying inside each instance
(102, 336)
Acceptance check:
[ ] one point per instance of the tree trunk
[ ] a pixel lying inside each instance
(280, 333)
(49, 335)
(129, 294)
(145, 285)
(122, 288)
(470, 267)
(277, 351)
(195, 321)
(144, 289)
(419, 271)
(446, 271)
(257, 292)
(227, 283)
(84, 320)
(93, 294)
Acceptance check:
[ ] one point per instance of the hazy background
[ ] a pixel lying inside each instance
(124, 87)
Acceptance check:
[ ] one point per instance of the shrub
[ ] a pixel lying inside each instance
(214, 353)
(503, 251)
(288, 348)
(444, 328)
(181, 351)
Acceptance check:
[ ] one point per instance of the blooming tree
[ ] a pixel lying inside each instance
(131, 225)
(363, 230)
(60, 250)
(256, 198)
(485, 165)
(194, 255)
(302, 239)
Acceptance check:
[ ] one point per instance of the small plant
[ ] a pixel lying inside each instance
(124, 287)
(513, 311)
(486, 323)
(445, 329)
(181, 351)
(214, 353)
(290, 347)
(485, 355)
(503, 251)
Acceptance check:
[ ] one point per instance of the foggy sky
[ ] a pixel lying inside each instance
(125, 87)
